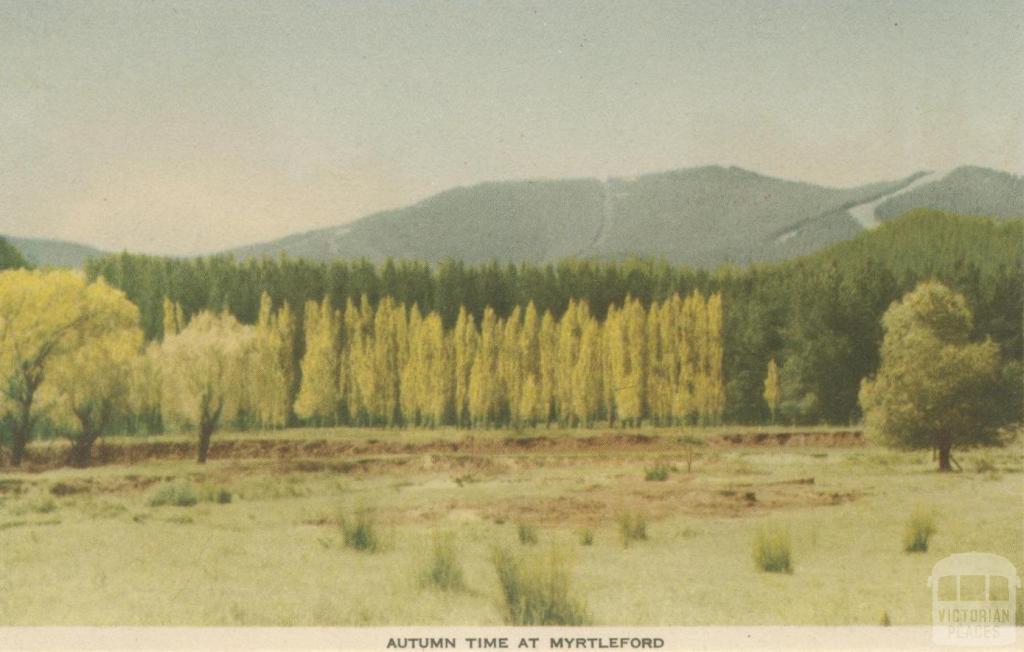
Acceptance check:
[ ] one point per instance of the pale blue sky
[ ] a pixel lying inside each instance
(180, 127)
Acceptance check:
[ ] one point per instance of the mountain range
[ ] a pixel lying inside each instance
(703, 217)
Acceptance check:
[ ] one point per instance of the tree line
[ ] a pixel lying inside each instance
(817, 317)
(72, 355)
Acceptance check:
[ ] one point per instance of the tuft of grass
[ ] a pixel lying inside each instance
(174, 494)
(445, 570)
(527, 534)
(219, 495)
(885, 621)
(537, 590)
(360, 531)
(42, 504)
(985, 465)
(632, 527)
(920, 529)
(657, 473)
(773, 551)
(586, 537)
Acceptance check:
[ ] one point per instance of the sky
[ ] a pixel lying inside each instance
(191, 127)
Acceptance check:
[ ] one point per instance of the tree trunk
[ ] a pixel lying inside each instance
(205, 432)
(19, 439)
(944, 457)
(20, 432)
(81, 450)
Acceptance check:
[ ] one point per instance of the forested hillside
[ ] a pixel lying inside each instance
(702, 216)
(10, 257)
(818, 316)
(54, 253)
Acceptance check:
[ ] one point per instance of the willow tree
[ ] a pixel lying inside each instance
(43, 316)
(205, 370)
(90, 381)
(935, 388)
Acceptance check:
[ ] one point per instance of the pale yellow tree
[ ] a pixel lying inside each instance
(714, 398)
(510, 369)
(205, 370)
(586, 375)
(548, 367)
(483, 380)
(89, 381)
(772, 389)
(390, 348)
(412, 381)
(272, 371)
(632, 376)
(145, 391)
(364, 400)
(318, 394)
(438, 389)
(174, 317)
(689, 396)
(567, 353)
(611, 361)
(43, 316)
(530, 408)
(464, 343)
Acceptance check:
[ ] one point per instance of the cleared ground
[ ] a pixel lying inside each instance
(87, 547)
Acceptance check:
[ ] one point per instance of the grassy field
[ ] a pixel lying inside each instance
(264, 544)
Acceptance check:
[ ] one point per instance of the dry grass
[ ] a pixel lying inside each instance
(83, 547)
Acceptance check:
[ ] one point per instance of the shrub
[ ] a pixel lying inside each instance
(920, 528)
(360, 532)
(658, 473)
(586, 537)
(223, 496)
(632, 527)
(445, 571)
(537, 590)
(772, 550)
(527, 534)
(885, 620)
(177, 495)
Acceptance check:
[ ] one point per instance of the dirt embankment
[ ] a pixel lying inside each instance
(126, 452)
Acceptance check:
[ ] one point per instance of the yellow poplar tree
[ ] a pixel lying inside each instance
(174, 317)
(714, 360)
(547, 366)
(464, 345)
(318, 393)
(273, 378)
(568, 352)
(586, 375)
(483, 380)
(772, 388)
(510, 369)
(530, 408)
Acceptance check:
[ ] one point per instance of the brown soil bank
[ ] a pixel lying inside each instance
(125, 451)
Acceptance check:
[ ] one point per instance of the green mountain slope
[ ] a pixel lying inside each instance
(701, 216)
(54, 253)
(965, 191)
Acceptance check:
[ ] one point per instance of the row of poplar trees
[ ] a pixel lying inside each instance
(394, 365)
